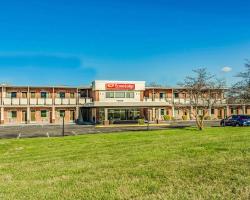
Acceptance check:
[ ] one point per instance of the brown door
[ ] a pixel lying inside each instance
(72, 115)
(24, 116)
(33, 115)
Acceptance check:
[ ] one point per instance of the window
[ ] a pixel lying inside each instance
(130, 95)
(62, 95)
(162, 95)
(176, 95)
(109, 94)
(43, 113)
(13, 94)
(120, 95)
(24, 94)
(212, 111)
(72, 95)
(33, 95)
(13, 114)
(233, 111)
(62, 113)
(162, 111)
(43, 94)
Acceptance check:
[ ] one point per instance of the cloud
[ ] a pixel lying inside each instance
(226, 69)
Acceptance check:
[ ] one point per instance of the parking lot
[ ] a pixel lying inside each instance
(26, 131)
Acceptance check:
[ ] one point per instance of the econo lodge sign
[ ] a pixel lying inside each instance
(119, 86)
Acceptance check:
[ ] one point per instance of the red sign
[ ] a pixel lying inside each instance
(119, 86)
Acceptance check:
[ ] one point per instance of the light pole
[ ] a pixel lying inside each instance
(63, 125)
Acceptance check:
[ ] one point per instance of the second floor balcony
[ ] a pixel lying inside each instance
(44, 101)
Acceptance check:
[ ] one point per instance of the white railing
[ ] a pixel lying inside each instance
(72, 101)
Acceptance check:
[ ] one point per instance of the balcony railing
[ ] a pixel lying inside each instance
(167, 100)
(45, 101)
(85, 100)
(15, 101)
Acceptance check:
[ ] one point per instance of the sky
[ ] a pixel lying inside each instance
(73, 42)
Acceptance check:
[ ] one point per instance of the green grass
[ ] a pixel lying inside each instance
(168, 164)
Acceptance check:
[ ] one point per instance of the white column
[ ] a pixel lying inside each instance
(53, 114)
(28, 114)
(153, 114)
(159, 114)
(106, 121)
(244, 109)
(228, 111)
(191, 112)
(77, 112)
(2, 115)
(106, 114)
(173, 111)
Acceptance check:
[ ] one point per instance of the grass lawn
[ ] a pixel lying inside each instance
(167, 164)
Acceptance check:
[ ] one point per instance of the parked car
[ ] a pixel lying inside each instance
(236, 120)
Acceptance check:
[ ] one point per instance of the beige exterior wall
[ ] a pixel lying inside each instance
(54, 104)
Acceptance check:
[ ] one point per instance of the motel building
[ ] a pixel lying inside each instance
(103, 102)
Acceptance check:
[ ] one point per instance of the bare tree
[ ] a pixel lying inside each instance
(240, 92)
(204, 91)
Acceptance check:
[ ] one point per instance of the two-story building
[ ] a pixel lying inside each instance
(101, 102)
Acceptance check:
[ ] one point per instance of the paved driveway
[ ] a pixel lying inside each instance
(25, 131)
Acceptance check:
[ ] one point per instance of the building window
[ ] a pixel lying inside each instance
(162, 111)
(109, 94)
(13, 95)
(162, 95)
(13, 114)
(62, 95)
(62, 113)
(120, 95)
(43, 113)
(44, 95)
(130, 95)
(212, 111)
(234, 111)
(72, 95)
(33, 95)
(24, 95)
(176, 95)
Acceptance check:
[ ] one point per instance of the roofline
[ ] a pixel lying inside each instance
(46, 86)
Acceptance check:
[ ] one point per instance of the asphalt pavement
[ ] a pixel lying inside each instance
(29, 131)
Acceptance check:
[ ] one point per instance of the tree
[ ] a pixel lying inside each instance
(240, 92)
(204, 91)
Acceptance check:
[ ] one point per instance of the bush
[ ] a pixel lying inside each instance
(184, 117)
(167, 117)
(141, 121)
(207, 118)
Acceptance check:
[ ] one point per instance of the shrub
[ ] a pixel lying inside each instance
(207, 118)
(141, 121)
(167, 117)
(184, 117)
